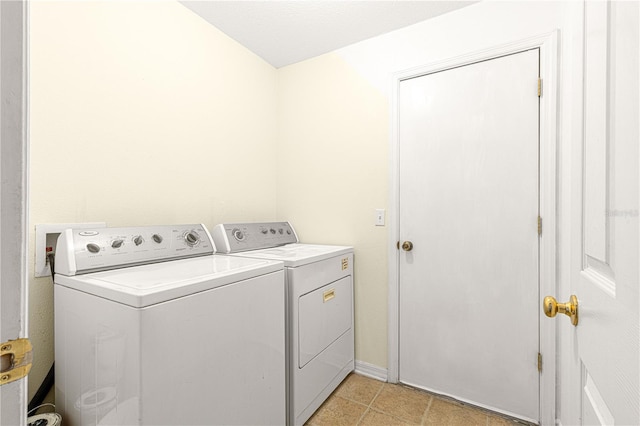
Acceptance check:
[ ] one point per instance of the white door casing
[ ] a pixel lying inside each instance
(605, 273)
(13, 196)
(547, 44)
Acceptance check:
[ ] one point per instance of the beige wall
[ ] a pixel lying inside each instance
(332, 174)
(142, 113)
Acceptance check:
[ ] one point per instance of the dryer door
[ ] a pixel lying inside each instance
(324, 315)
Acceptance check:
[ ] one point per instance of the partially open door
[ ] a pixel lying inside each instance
(606, 230)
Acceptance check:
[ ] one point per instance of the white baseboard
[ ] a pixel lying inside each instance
(371, 370)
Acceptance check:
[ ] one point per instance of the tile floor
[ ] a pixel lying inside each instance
(360, 400)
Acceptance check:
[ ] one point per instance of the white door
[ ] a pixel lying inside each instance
(469, 198)
(13, 200)
(606, 274)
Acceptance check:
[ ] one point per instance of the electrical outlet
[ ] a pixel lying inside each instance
(46, 239)
(50, 245)
(379, 217)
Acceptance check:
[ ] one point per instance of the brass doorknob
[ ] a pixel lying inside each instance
(407, 246)
(551, 307)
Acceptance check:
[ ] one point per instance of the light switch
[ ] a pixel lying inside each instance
(379, 217)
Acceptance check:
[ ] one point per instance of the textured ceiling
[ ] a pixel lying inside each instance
(286, 32)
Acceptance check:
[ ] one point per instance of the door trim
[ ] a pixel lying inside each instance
(14, 197)
(548, 45)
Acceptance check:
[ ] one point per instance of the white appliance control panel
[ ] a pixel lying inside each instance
(238, 237)
(81, 251)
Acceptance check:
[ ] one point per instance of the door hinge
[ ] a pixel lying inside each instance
(539, 225)
(539, 362)
(18, 356)
(539, 87)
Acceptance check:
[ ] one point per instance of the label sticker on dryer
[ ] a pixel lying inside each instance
(345, 263)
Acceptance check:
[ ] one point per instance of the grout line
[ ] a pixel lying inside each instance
(351, 399)
(362, 416)
(370, 404)
(335, 394)
(426, 411)
(377, 393)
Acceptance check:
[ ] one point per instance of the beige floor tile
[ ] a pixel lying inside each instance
(450, 413)
(376, 418)
(404, 403)
(359, 388)
(396, 405)
(337, 411)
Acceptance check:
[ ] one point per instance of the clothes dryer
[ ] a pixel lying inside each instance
(319, 285)
(152, 328)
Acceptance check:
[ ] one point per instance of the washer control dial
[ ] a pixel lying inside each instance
(157, 238)
(117, 243)
(137, 240)
(192, 238)
(93, 248)
(238, 234)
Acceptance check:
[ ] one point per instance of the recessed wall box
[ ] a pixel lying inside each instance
(46, 238)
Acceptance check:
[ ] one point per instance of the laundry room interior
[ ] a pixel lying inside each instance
(143, 113)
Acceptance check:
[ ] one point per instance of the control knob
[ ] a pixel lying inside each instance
(117, 243)
(157, 238)
(238, 234)
(192, 238)
(137, 240)
(93, 248)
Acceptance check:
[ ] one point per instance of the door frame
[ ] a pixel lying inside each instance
(548, 175)
(14, 165)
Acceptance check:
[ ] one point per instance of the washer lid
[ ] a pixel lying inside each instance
(141, 286)
(294, 255)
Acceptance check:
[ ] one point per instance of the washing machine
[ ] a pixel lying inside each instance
(319, 285)
(153, 328)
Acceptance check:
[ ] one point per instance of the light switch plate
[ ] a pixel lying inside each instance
(379, 217)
